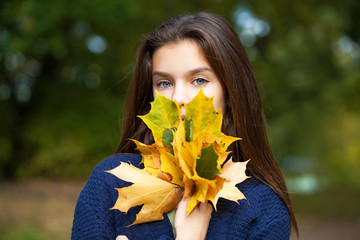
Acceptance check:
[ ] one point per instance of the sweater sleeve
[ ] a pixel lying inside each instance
(273, 220)
(92, 217)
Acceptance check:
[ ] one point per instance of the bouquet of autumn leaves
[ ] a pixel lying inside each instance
(187, 159)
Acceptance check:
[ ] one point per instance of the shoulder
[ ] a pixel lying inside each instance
(92, 217)
(262, 215)
(270, 215)
(105, 183)
(115, 160)
(258, 192)
(262, 198)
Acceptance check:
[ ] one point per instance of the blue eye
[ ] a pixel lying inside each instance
(164, 84)
(200, 81)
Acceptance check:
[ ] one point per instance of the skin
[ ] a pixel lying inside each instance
(195, 225)
(179, 71)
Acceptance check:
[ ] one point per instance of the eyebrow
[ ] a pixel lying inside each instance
(191, 72)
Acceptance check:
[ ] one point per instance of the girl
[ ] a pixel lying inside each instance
(182, 55)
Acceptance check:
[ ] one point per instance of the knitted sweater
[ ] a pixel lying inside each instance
(262, 216)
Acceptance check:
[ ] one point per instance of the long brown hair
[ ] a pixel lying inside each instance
(243, 117)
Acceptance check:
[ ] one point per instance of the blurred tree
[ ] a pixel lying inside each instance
(309, 67)
(64, 69)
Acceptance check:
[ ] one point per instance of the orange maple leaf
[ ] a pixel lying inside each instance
(187, 155)
(158, 196)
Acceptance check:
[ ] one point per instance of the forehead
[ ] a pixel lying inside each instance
(185, 54)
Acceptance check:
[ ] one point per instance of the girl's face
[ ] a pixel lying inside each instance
(180, 69)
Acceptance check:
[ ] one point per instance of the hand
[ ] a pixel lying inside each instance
(121, 237)
(195, 225)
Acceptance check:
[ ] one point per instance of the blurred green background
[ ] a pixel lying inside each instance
(65, 68)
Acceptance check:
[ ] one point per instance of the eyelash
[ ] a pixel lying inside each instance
(160, 83)
(200, 78)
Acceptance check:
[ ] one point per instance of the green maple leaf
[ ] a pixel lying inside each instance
(164, 114)
(206, 164)
(189, 128)
(168, 138)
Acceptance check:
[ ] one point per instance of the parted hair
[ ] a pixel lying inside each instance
(243, 116)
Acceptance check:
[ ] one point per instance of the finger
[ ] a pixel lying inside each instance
(183, 202)
(121, 237)
(206, 207)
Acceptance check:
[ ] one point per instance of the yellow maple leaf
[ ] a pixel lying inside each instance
(207, 147)
(187, 155)
(171, 166)
(207, 121)
(233, 173)
(151, 157)
(158, 196)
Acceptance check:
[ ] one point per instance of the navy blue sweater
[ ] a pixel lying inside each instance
(262, 216)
